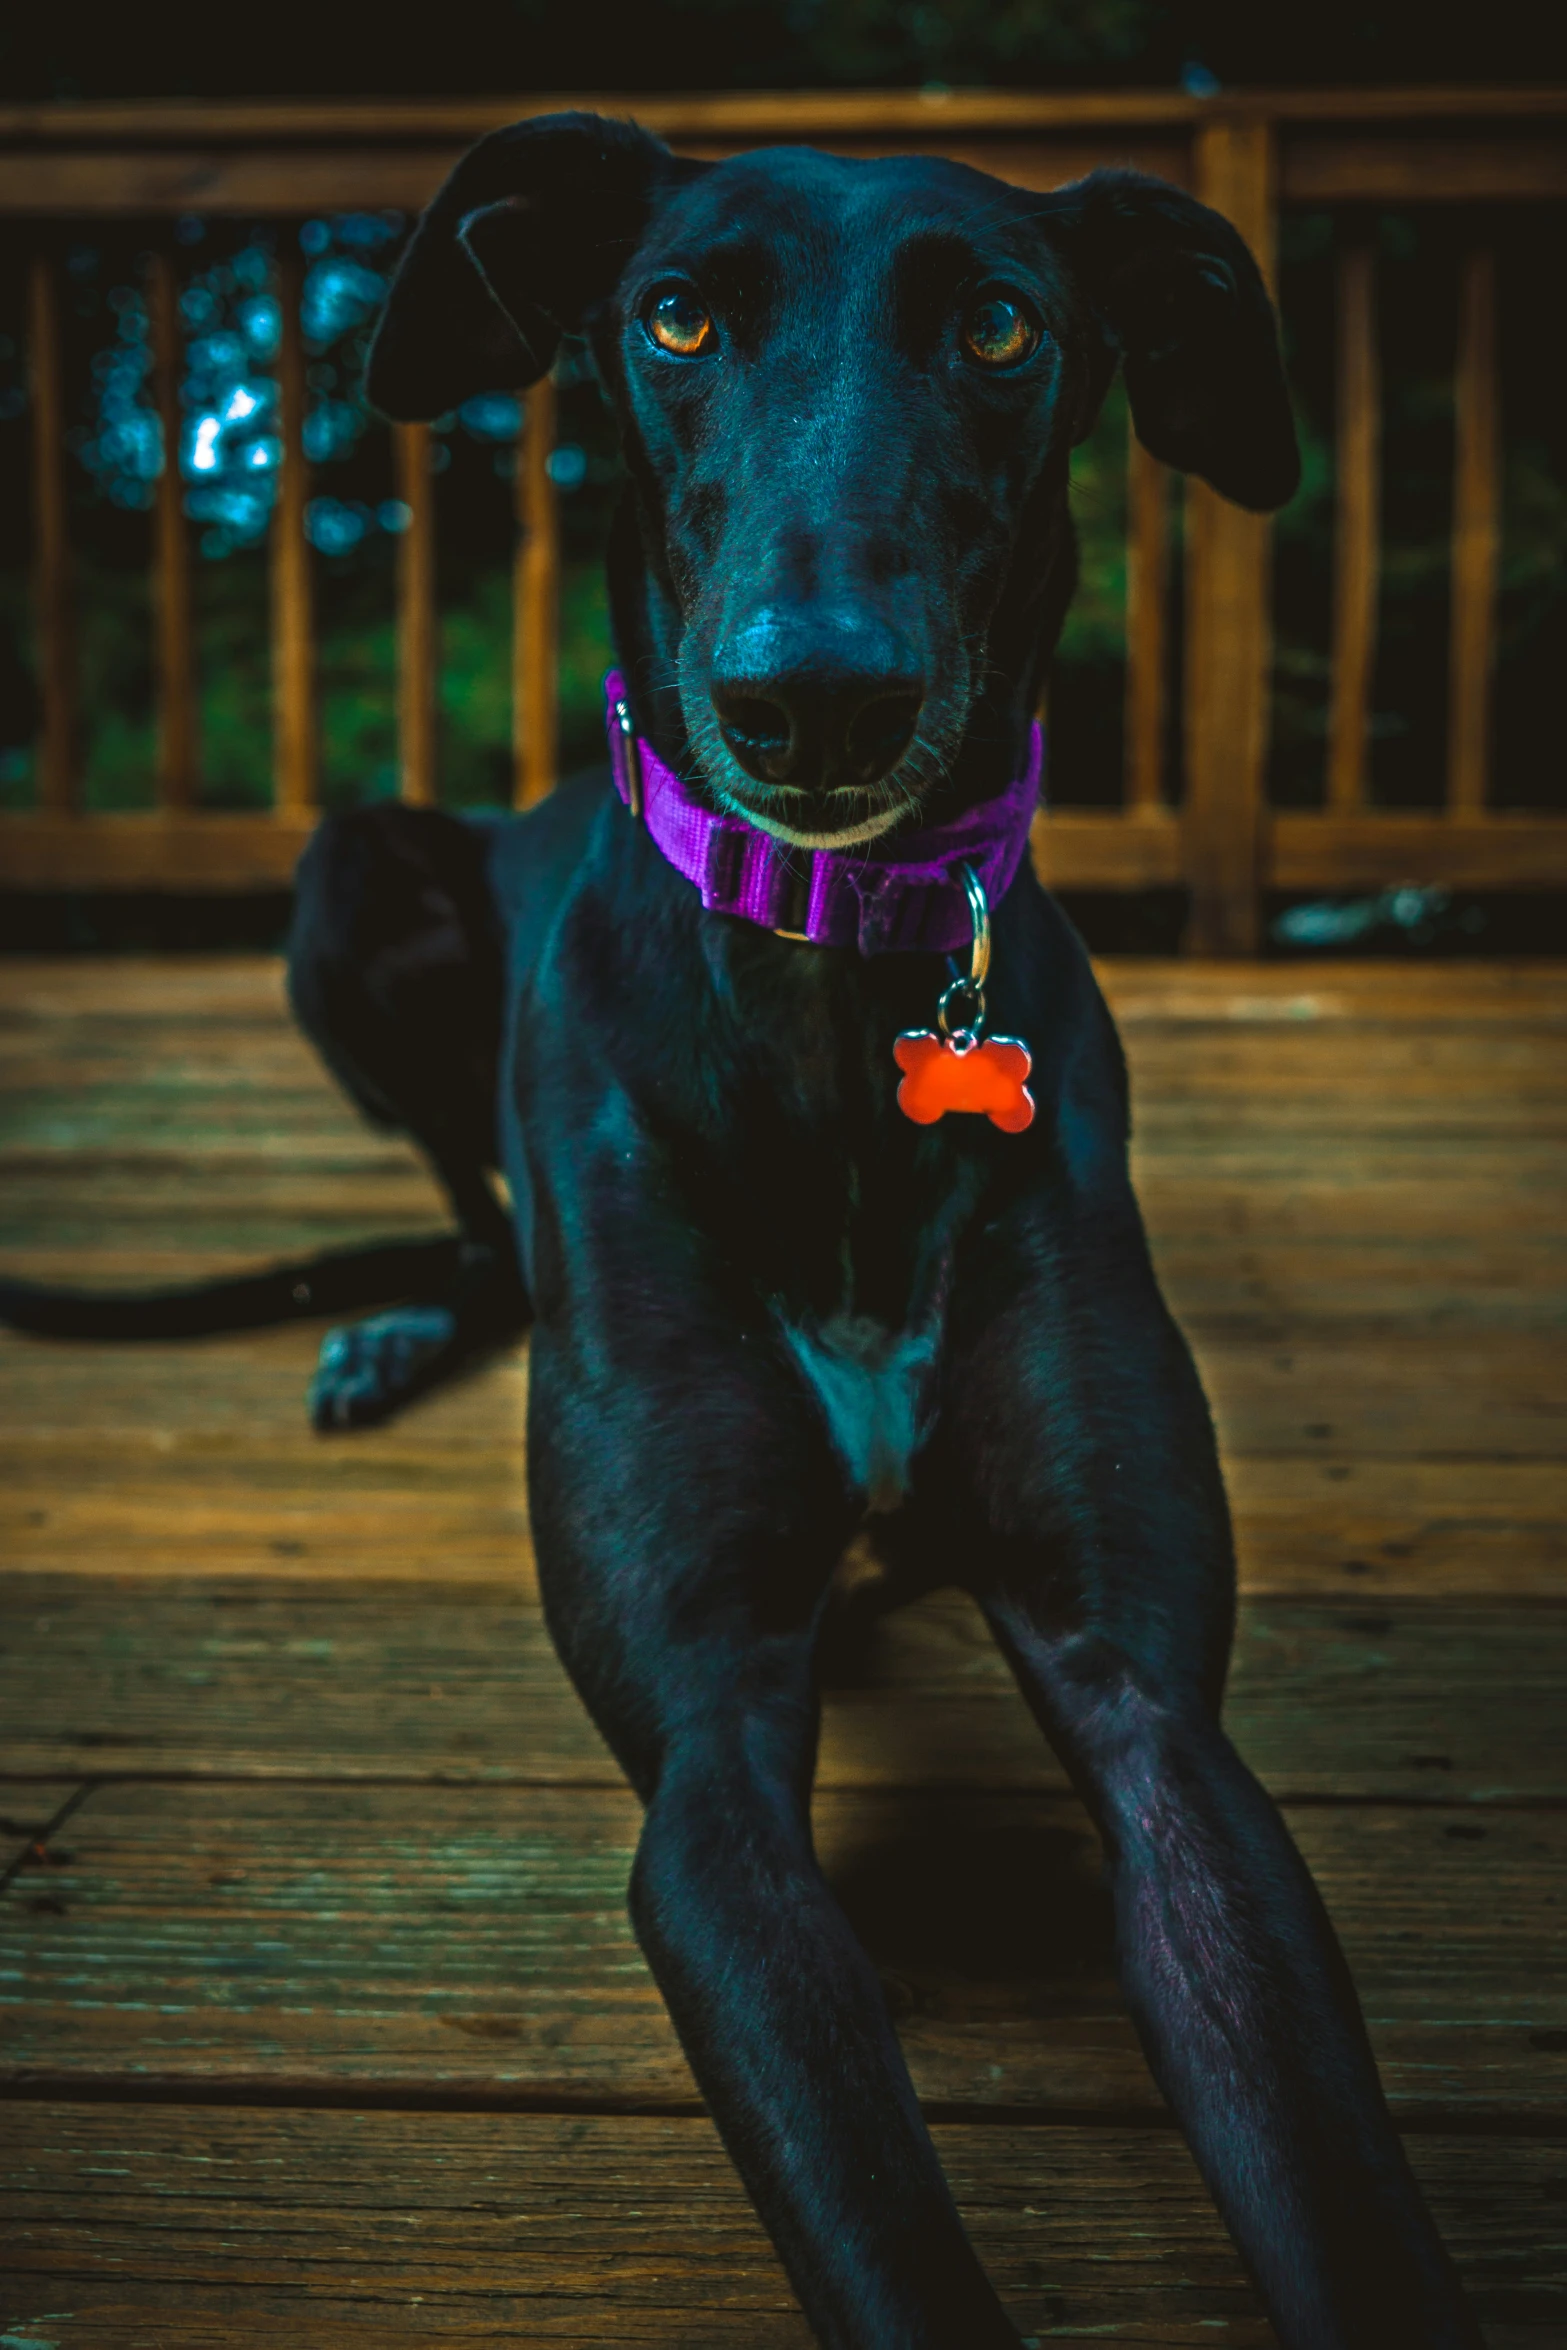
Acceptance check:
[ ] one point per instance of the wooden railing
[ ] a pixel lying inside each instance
(1249, 154)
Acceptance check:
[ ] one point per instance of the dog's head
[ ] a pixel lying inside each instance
(847, 393)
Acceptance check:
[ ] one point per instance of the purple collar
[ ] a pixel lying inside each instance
(906, 895)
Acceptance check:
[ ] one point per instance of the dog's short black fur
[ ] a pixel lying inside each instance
(764, 1303)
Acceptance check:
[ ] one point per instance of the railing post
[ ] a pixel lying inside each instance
(1476, 536)
(178, 755)
(1147, 637)
(57, 775)
(416, 640)
(1228, 624)
(294, 746)
(1356, 528)
(536, 603)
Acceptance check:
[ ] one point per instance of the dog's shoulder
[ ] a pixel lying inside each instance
(1045, 989)
(535, 858)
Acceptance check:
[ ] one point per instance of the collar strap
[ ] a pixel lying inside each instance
(905, 896)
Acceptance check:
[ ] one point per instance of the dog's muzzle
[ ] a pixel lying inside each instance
(817, 701)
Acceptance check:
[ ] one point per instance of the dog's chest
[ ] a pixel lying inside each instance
(854, 1249)
(876, 1389)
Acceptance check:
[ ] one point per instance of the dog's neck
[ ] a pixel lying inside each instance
(1025, 622)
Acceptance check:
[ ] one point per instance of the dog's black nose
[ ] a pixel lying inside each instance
(819, 703)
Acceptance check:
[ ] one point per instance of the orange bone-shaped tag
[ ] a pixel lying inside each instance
(939, 1075)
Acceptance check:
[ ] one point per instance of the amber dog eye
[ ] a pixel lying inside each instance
(999, 332)
(677, 322)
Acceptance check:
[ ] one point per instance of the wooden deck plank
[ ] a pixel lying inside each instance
(1221, 1186)
(1296, 1533)
(103, 1086)
(1223, 1285)
(305, 1941)
(1370, 1699)
(146, 2228)
(1150, 991)
(1432, 1536)
(1356, 1393)
(1143, 990)
(173, 1499)
(224, 1205)
(117, 1510)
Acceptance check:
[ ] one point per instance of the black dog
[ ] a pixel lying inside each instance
(763, 1298)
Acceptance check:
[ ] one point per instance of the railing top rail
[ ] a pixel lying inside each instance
(745, 113)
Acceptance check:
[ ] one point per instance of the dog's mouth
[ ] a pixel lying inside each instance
(836, 816)
(817, 820)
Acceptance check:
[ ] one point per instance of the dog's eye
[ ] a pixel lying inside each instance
(999, 331)
(677, 322)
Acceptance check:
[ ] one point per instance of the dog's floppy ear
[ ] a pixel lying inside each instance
(1178, 296)
(533, 227)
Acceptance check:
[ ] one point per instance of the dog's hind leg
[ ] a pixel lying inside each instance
(396, 974)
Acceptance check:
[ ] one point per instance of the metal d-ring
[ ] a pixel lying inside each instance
(979, 909)
(633, 762)
(964, 1034)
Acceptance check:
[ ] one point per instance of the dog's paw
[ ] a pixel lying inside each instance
(366, 1369)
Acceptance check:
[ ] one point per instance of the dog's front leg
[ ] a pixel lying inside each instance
(1080, 1483)
(787, 2030)
(688, 1515)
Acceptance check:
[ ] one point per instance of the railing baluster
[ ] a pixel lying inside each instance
(416, 635)
(57, 774)
(536, 603)
(1356, 541)
(178, 757)
(1229, 628)
(1147, 625)
(1476, 535)
(295, 754)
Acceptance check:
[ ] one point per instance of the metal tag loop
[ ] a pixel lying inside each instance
(979, 910)
(960, 1015)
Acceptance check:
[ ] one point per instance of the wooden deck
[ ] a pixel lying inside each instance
(322, 2020)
